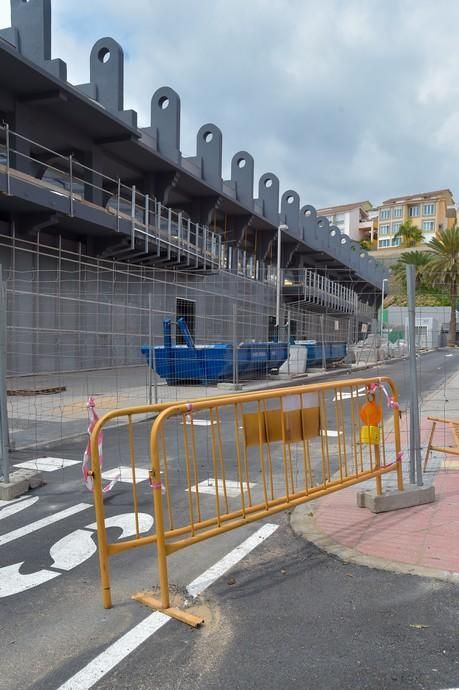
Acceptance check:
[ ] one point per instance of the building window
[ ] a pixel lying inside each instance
(384, 214)
(384, 243)
(428, 210)
(413, 211)
(397, 212)
(384, 229)
(428, 225)
(396, 241)
(395, 227)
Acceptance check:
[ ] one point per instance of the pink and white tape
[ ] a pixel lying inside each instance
(87, 478)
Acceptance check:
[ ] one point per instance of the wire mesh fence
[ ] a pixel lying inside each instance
(79, 326)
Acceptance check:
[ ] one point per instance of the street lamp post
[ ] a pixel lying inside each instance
(280, 230)
(385, 280)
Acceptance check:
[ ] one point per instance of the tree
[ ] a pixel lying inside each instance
(409, 234)
(420, 260)
(443, 270)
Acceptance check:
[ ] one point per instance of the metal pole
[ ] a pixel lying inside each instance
(289, 332)
(278, 283)
(415, 436)
(8, 183)
(133, 198)
(118, 201)
(322, 335)
(71, 183)
(152, 377)
(4, 441)
(235, 348)
(147, 221)
(382, 307)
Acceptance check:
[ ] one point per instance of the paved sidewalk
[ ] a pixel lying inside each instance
(422, 540)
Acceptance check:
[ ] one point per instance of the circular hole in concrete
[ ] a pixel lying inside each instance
(104, 55)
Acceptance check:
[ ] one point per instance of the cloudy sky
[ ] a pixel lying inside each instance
(344, 100)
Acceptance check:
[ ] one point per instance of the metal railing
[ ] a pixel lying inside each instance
(321, 291)
(256, 454)
(153, 223)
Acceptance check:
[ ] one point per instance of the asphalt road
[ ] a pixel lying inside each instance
(291, 616)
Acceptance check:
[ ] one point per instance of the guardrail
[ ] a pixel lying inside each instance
(241, 458)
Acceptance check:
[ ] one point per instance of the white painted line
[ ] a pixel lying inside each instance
(360, 392)
(73, 549)
(197, 422)
(119, 650)
(233, 489)
(14, 500)
(331, 433)
(126, 523)
(14, 582)
(124, 474)
(47, 464)
(17, 507)
(44, 522)
(204, 581)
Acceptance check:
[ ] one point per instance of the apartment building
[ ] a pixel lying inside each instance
(351, 219)
(429, 211)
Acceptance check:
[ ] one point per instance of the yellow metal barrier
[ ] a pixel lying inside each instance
(241, 458)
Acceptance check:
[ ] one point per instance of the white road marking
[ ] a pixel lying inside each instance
(127, 523)
(233, 489)
(44, 522)
(47, 464)
(119, 650)
(73, 549)
(207, 578)
(67, 553)
(14, 500)
(17, 507)
(13, 582)
(331, 433)
(346, 396)
(198, 422)
(448, 355)
(124, 474)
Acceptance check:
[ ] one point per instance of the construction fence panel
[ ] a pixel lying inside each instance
(219, 463)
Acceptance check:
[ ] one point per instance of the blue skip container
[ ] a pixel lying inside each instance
(209, 364)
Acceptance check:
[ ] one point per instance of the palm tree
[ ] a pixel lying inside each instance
(443, 270)
(409, 234)
(415, 258)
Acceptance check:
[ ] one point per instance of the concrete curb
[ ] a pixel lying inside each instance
(303, 524)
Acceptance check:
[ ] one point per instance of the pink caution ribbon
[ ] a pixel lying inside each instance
(87, 478)
(392, 404)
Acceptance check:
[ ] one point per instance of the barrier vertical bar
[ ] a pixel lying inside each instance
(95, 473)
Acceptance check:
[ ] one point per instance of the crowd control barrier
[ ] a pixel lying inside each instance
(219, 463)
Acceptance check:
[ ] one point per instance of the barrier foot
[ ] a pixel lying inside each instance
(183, 616)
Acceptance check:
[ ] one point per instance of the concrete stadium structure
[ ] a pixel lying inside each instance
(95, 210)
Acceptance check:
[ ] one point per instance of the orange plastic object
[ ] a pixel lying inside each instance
(371, 413)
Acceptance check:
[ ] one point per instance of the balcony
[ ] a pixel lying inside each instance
(138, 228)
(319, 293)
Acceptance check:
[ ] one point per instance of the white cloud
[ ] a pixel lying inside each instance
(343, 100)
